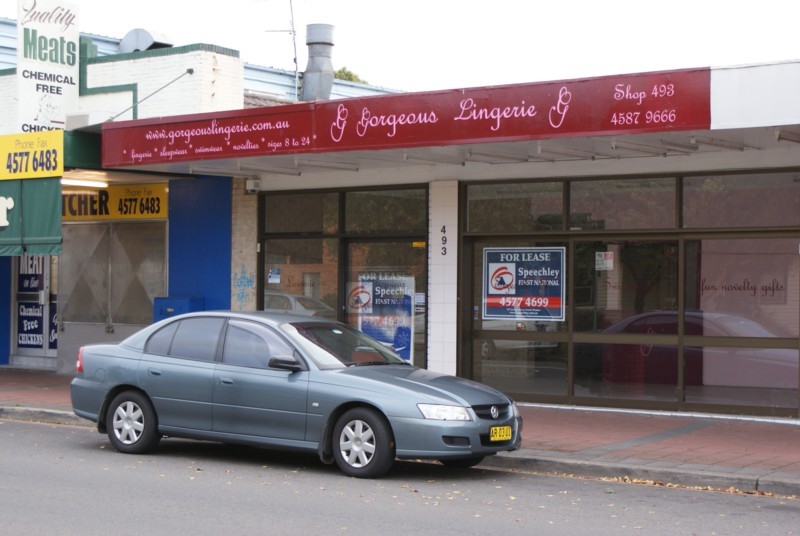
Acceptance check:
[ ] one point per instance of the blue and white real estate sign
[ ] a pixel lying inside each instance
(524, 283)
(384, 304)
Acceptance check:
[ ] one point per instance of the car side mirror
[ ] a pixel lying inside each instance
(285, 362)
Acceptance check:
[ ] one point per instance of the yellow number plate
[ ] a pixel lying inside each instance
(499, 433)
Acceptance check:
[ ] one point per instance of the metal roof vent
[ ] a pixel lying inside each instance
(139, 40)
(318, 78)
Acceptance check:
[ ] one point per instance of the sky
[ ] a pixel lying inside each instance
(422, 45)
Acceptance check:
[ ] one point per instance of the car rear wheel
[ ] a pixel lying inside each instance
(131, 423)
(462, 463)
(363, 443)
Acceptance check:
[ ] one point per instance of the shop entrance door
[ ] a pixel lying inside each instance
(35, 307)
(385, 294)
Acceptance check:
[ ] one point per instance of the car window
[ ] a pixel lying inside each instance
(160, 341)
(197, 338)
(332, 345)
(250, 344)
(275, 301)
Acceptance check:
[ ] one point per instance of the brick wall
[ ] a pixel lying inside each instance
(217, 83)
(244, 241)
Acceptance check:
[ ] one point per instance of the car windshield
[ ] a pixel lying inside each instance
(333, 345)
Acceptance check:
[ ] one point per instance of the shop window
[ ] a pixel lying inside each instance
(302, 276)
(386, 211)
(630, 371)
(525, 318)
(744, 287)
(768, 200)
(521, 367)
(386, 288)
(507, 208)
(624, 283)
(622, 204)
(747, 376)
(382, 234)
(307, 213)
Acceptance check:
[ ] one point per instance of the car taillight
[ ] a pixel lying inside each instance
(79, 362)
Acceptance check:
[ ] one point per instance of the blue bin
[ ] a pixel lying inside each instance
(167, 306)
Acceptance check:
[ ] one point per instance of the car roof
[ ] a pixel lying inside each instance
(138, 339)
(263, 316)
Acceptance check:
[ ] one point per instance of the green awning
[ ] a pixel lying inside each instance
(30, 217)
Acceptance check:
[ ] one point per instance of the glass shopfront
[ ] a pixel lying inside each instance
(357, 256)
(680, 292)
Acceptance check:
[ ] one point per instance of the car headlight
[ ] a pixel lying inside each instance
(444, 413)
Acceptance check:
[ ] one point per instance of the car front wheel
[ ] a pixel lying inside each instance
(131, 423)
(363, 443)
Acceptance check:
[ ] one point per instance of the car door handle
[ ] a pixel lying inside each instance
(226, 381)
(153, 372)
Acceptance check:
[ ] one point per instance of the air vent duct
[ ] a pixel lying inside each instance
(139, 40)
(318, 78)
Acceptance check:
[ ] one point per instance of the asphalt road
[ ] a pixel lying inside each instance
(57, 479)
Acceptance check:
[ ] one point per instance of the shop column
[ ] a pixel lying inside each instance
(443, 277)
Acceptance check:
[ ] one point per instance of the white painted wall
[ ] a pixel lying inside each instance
(755, 96)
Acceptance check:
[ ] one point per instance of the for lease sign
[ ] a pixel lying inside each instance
(524, 283)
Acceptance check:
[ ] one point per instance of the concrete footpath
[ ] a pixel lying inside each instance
(750, 455)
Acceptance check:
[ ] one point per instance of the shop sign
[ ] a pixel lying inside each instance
(30, 325)
(31, 156)
(116, 202)
(31, 273)
(31, 314)
(384, 305)
(604, 261)
(604, 106)
(53, 325)
(614, 105)
(30, 186)
(48, 44)
(241, 133)
(524, 283)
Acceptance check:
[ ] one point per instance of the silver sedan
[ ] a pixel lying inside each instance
(287, 382)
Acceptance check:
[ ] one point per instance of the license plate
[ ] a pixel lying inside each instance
(499, 433)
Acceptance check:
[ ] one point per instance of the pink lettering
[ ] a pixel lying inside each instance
(392, 121)
(623, 92)
(337, 127)
(140, 157)
(559, 111)
(471, 112)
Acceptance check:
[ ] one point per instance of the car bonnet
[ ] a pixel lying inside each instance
(431, 384)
